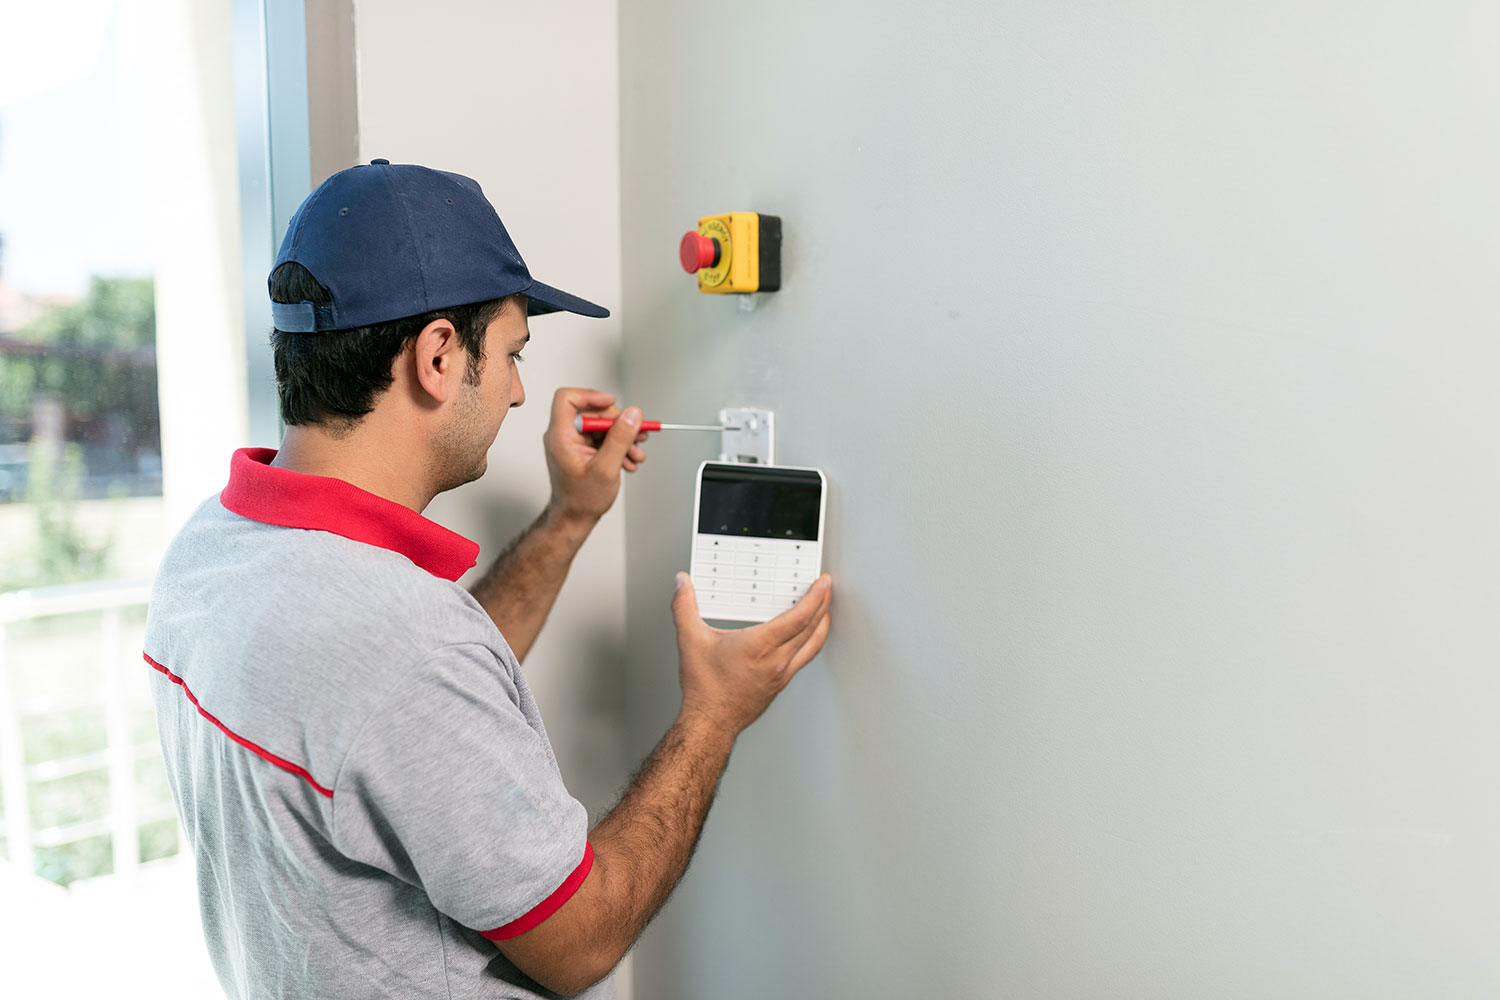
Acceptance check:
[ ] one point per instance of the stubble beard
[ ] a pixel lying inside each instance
(461, 451)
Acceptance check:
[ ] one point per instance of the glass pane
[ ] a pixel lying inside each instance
(94, 142)
(55, 736)
(80, 436)
(158, 840)
(53, 656)
(151, 788)
(82, 859)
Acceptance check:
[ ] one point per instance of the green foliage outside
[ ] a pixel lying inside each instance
(82, 797)
(74, 798)
(96, 358)
(60, 553)
(60, 734)
(158, 840)
(92, 362)
(58, 657)
(71, 862)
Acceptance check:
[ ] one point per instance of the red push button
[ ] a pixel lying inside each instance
(698, 251)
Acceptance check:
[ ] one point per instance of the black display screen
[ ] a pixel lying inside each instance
(764, 502)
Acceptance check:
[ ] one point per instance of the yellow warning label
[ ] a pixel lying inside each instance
(714, 227)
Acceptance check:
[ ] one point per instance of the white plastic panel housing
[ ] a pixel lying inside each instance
(754, 442)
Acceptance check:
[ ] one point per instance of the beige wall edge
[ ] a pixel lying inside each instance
(332, 88)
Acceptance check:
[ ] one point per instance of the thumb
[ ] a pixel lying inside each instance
(685, 603)
(620, 436)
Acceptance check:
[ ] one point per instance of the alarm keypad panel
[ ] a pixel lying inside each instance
(757, 546)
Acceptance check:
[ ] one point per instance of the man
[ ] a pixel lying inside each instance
(359, 765)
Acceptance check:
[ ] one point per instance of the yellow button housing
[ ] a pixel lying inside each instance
(749, 253)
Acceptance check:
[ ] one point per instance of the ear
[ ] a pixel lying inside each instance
(439, 360)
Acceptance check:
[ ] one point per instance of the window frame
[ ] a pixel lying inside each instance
(274, 151)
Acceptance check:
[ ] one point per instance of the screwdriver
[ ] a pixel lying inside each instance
(598, 425)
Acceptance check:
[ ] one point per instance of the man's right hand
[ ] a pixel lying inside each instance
(730, 676)
(585, 468)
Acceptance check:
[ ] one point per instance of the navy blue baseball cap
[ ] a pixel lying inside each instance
(391, 240)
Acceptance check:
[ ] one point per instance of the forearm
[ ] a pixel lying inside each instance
(521, 586)
(641, 850)
(647, 840)
(643, 846)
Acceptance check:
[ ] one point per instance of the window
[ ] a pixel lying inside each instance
(123, 390)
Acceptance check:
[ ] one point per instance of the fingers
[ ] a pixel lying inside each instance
(636, 455)
(810, 648)
(685, 604)
(570, 400)
(619, 439)
(567, 403)
(803, 615)
(797, 641)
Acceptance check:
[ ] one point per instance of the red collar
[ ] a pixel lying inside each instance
(262, 492)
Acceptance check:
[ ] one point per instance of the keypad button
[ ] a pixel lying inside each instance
(748, 577)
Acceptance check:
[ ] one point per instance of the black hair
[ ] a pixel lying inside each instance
(332, 377)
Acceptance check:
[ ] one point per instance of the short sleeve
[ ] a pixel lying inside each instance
(449, 787)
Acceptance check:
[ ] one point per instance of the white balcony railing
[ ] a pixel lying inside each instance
(123, 815)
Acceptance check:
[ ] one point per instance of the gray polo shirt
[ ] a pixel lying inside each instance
(361, 771)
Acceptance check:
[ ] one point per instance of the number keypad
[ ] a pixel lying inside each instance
(751, 579)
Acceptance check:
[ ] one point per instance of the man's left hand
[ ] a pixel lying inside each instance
(585, 468)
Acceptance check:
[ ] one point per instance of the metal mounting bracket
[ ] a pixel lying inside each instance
(755, 441)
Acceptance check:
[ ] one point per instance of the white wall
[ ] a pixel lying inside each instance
(523, 98)
(1151, 350)
(185, 114)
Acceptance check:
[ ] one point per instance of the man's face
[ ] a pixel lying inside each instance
(481, 405)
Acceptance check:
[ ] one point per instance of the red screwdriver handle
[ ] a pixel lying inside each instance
(599, 425)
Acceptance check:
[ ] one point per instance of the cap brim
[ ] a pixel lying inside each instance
(545, 299)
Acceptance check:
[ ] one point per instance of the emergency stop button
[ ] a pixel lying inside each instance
(698, 252)
(737, 252)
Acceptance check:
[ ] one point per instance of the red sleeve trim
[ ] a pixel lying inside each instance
(259, 751)
(548, 906)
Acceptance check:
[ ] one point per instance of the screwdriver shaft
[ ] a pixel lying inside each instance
(598, 425)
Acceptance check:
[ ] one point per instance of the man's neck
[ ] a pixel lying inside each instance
(360, 458)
